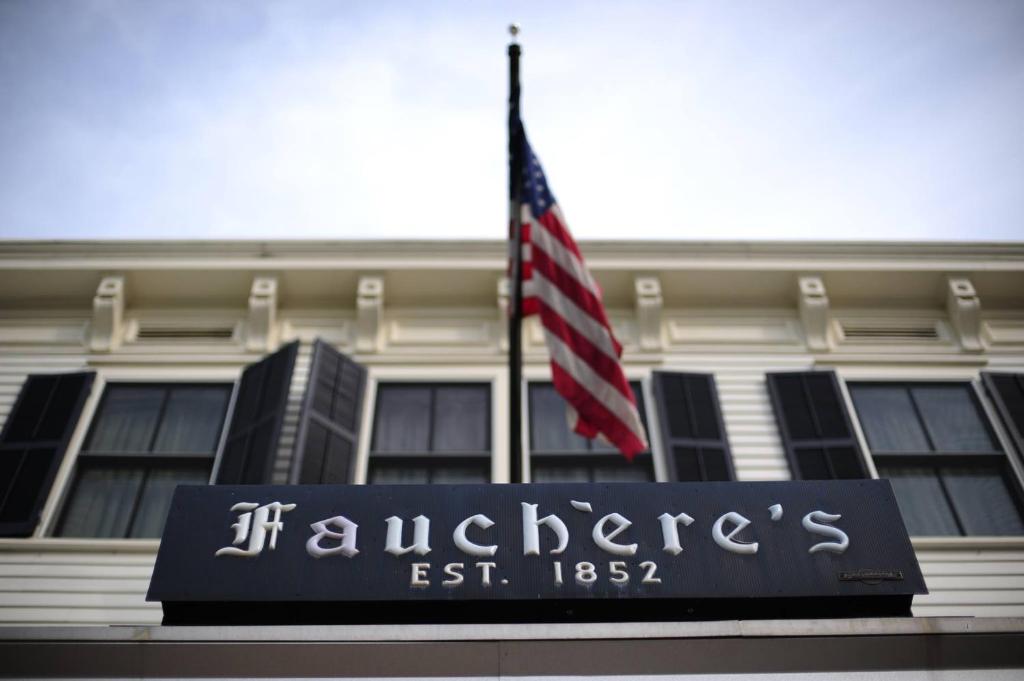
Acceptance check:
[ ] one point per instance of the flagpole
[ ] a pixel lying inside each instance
(515, 357)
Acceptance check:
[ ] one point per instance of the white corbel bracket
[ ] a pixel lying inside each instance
(261, 333)
(504, 290)
(814, 313)
(964, 308)
(370, 314)
(107, 328)
(649, 304)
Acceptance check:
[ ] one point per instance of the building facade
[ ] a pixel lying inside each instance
(129, 367)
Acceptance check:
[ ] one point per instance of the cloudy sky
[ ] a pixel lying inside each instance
(685, 120)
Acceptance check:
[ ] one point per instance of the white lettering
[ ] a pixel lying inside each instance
(726, 541)
(420, 536)
(485, 572)
(452, 570)
(255, 524)
(812, 523)
(419, 575)
(466, 546)
(347, 537)
(531, 532)
(670, 531)
(604, 541)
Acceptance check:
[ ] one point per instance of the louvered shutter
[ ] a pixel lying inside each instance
(325, 448)
(248, 456)
(1007, 393)
(32, 445)
(815, 426)
(692, 430)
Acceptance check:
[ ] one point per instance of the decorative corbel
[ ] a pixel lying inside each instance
(106, 330)
(648, 311)
(814, 313)
(964, 308)
(261, 332)
(369, 314)
(504, 289)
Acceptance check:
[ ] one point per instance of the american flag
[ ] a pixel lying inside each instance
(584, 353)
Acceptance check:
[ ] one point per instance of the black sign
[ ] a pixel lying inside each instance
(343, 553)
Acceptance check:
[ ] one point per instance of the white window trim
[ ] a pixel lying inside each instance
(495, 377)
(117, 374)
(903, 376)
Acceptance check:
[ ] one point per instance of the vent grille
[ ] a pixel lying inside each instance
(906, 332)
(185, 333)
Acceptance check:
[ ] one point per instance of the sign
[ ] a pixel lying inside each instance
(541, 552)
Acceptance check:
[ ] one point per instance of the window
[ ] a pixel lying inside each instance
(692, 430)
(431, 433)
(931, 440)
(144, 440)
(559, 455)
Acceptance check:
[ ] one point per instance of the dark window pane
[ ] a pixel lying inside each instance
(460, 474)
(22, 497)
(845, 463)
(678, 407)
(391, 474)
(687, 464)
(61, 406)
(462, 419)
(549, 429)
(827, 409)
(921, 500)
(156, 497)
(715, 467)
(812, 463)
(982, 501)
(638, 471)
(192, 421)
(952, 418)
(102, 502)
(704, 415)
(551, 472)
(24, 420)
(795, 407)
(888, 418)
(127, 418)
(402, 419)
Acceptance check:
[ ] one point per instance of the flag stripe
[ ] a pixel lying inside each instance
(583, 299)
(607, 367)
(593, 330)
(616, 404)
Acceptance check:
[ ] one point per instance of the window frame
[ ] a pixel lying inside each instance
(67, 475)
(1001, 458)
(493, 377)
(570, 456)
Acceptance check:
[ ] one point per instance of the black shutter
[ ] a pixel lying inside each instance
(815, 427)
(33, 443)
(326, 444)
(692, 430)
(248, 456)
(1007, 393)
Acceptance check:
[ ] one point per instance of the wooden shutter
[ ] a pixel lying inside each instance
(815, 426)
(248, 456)
(1007, 393)
(33, 443)
(326, 445)
(692, 430)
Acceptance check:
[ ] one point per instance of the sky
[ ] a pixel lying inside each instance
(694, 120)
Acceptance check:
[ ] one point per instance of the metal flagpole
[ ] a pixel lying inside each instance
(515, 358)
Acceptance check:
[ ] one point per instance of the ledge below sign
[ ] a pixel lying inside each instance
(315, 554)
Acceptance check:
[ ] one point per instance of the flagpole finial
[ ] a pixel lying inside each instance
(513, 30)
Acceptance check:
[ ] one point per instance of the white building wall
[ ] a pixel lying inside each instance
(46, 580)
